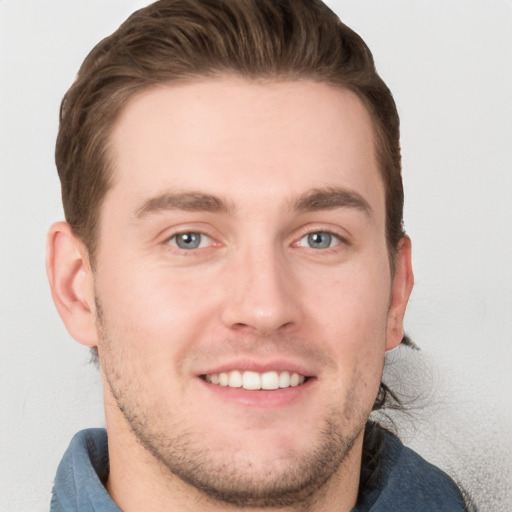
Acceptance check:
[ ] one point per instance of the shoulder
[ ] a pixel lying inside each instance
(407, 482)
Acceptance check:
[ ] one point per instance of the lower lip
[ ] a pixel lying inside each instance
(260, 398)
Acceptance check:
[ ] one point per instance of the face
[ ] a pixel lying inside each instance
(242, 285)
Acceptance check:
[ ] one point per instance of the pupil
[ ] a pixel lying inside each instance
(188, 240)
(320, 240)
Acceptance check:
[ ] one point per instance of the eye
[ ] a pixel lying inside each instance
(189, 240)
(319, 240)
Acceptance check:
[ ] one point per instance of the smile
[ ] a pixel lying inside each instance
(254, 381)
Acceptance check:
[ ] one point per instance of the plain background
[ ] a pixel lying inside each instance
(449, 66)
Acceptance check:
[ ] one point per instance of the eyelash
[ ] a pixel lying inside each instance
(341, 240)
(175, 237)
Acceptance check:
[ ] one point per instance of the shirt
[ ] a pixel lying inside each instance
(408, 483)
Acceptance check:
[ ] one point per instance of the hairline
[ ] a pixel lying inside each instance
(109, 165)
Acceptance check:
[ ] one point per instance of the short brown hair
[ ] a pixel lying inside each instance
(178, 40)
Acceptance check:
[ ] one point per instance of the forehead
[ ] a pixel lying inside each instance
(238, 138)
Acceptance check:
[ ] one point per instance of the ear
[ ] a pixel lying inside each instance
(403, 282)
(71, 282)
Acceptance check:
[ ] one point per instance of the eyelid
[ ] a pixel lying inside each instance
(201, 246)
(202, 229)
(337, 232)
(338, 241)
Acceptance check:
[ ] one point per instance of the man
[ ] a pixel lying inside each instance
(234, 256)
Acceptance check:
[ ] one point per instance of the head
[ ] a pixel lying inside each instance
(234, 249)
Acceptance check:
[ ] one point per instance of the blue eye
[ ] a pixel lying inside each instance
(189, 240)
(319, 240)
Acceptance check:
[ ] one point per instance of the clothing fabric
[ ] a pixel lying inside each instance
(408, 483)
(81, 475)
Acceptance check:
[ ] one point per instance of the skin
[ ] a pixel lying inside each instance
(254, 167)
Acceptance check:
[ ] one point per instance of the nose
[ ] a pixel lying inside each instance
(261, 294)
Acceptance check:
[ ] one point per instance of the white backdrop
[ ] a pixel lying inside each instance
(449, 64)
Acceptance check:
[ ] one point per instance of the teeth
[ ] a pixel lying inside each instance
(255, 381)
(235, 379)
(223, 379)
(251, 380)
(284, 380)
(269, 380)
(294, 379)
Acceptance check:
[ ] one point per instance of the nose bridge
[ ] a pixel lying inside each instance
(260, 295)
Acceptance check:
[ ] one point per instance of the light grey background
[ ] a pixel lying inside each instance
(449, 65)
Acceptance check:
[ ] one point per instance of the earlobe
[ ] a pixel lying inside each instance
(403, 282)
(71, 283)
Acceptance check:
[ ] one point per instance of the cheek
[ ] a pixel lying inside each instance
(351, 303)
(158, 313)
(350, 308)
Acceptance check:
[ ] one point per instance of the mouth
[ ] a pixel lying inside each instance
(256, 381)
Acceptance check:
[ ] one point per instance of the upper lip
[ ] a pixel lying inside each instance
(250, 364)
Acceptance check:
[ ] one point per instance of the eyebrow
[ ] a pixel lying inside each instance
(314, 200)
(331, 198)
(189, 201)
